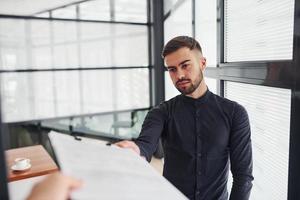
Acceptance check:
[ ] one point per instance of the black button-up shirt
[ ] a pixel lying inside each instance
(200, 137)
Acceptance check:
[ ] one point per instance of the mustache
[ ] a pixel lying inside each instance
(181, 80)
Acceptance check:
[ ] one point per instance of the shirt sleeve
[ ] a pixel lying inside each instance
(240, 155)
(152, 129)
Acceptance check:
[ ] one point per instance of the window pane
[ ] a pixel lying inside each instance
(130, 45)
(131, 10)
(38, 95)
(12, 44)
(212, 85)
(179, 22)
(170, 89)
(170, 4)
(64, 44)
(95, 10)
(68, 12)
(29, 8)
(206, 29)
(269, 112)
(106, 90)
(123, 125)
(258, 30)
(44, 14)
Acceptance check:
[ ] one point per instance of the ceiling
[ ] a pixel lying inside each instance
(30, 7)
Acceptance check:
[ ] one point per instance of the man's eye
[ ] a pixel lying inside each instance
(171, 69)
(184, 65)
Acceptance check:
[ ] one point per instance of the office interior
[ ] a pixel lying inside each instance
(93, 68)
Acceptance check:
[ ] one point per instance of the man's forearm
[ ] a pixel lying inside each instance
(241, 188)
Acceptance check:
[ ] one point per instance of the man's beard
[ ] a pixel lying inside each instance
(193, 86)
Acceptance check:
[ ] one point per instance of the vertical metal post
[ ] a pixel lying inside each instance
(220, 42)
(294, 158)
(150, 62)
(158, 43)
(3, 175)
(194, 18)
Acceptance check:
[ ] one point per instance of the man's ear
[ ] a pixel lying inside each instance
(203, 63)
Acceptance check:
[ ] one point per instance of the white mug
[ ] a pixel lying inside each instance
(22, 162)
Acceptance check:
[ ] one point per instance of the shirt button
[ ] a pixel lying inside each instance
(197, 192)
(199, 173)
(199, 155)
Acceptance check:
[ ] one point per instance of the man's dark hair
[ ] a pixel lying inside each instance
(179, 42)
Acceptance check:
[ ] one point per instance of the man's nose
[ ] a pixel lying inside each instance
(180, 74)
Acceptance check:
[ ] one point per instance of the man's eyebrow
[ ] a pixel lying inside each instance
(184, 62)
(169, 67)
(181, 63)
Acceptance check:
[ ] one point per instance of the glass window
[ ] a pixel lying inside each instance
(206, 29)
(179, 22)
(107, 90)
(95, 10)
(130, 45)
(44, 14)
(38, 95)
(212, 85)
(258, 30)
(118, 125)
(12, 44)
(27, 44)
(26, 96)
(68, 12)
(170, 89)
(171, 4)
(30, 8)
(39, 33)
(269, 112)
(130, 10)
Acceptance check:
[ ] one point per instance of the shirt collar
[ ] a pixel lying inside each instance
(198, 101)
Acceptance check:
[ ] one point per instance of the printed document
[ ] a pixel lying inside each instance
(109, 172)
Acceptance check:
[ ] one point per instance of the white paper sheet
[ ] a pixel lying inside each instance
(110, 172)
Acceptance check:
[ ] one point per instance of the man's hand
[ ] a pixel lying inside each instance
(56, 186)
(129, 145)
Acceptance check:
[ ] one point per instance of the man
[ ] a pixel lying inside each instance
(200, 131)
